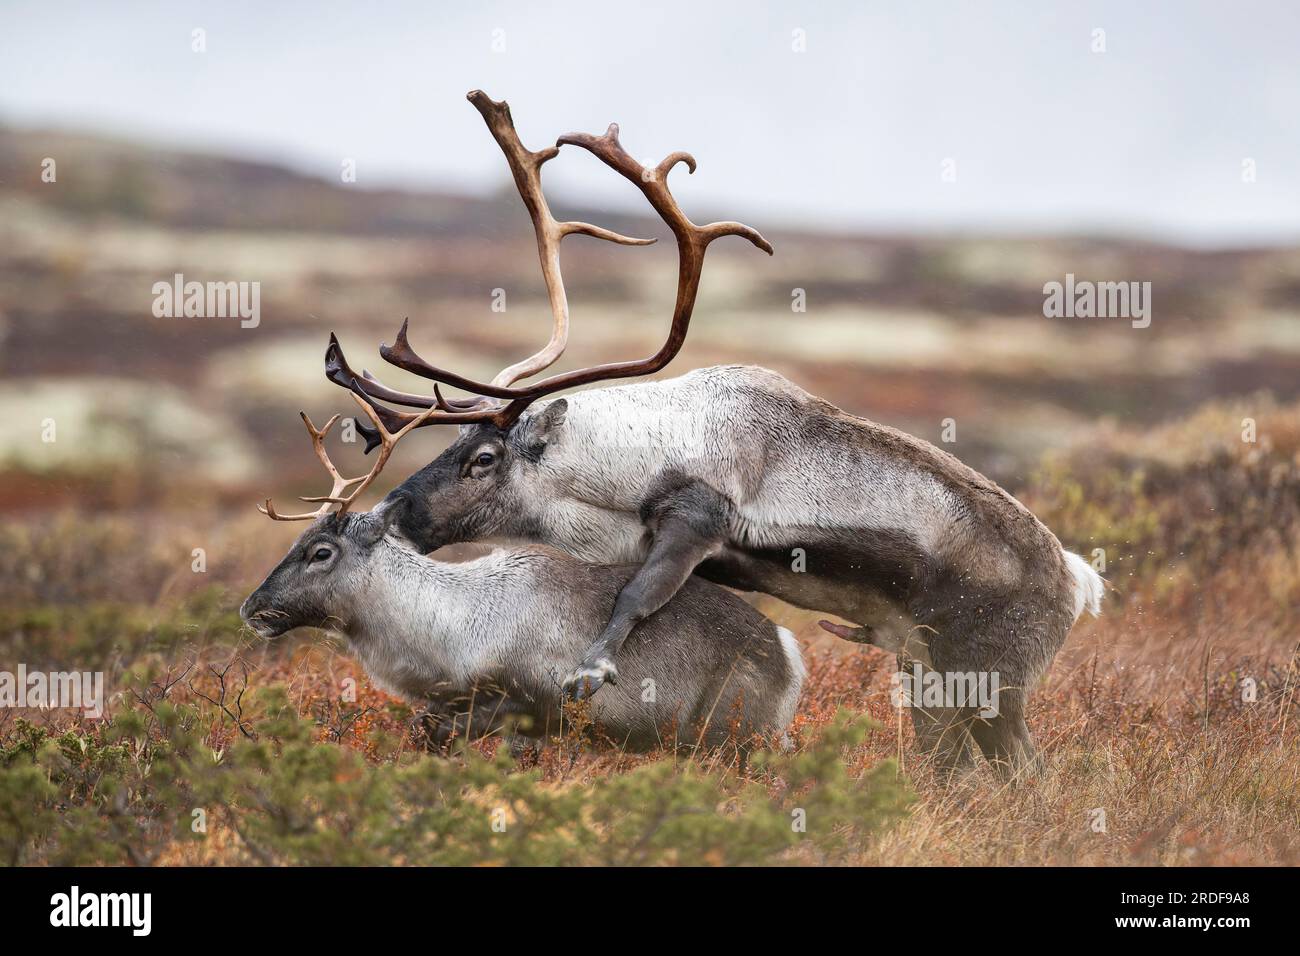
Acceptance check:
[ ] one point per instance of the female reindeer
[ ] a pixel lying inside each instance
(739, 475)
(484, 644)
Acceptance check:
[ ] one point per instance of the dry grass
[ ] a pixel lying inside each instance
(1142, 718)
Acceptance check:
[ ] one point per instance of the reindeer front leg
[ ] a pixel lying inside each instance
(688, 522)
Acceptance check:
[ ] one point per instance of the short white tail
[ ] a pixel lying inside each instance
(1088, 585)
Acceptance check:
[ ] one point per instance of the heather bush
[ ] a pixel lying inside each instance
(147, 782)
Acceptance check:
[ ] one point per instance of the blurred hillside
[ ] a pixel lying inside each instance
(1126, 442)
(908, 331)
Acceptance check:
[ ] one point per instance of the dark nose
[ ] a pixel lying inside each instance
(254, 605)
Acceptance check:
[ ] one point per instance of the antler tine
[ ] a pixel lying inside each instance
(459, 411)
(404, 357)
(388, 440)
(338, 371)
(654, 184)
(526, 167)
(692, 242)
(340, 483)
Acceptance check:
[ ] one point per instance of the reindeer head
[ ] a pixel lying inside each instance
(466, 492)
(479, 486)
(320, 579)
(327, 569)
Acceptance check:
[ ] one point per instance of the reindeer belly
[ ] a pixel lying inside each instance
(869, 589)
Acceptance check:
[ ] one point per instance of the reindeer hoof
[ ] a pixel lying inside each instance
(589, 678)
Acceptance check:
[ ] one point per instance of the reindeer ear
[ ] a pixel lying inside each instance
(379, 523)
(539, 429)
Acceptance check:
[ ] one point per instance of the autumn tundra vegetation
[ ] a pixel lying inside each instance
(292, 756)
(1169, 455)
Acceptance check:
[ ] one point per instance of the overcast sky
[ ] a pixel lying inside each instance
(1045, 135)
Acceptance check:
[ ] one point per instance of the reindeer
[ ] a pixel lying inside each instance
(738, 475)
(484, 644)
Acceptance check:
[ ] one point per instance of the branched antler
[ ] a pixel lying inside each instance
(526, 167)
(501, 401)
(387, 440)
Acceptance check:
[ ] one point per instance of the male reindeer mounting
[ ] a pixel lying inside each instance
(485, 643)
(738, 474)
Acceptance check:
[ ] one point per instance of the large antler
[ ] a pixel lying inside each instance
(526, 167)
(500, 401)
(387, 440)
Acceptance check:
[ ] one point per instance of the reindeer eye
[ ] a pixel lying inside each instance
(486, 458)
(321, 554)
